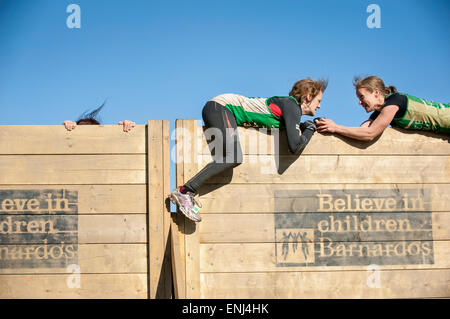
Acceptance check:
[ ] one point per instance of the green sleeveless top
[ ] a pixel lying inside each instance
(425, 115)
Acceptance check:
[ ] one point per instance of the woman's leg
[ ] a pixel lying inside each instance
(219, 118)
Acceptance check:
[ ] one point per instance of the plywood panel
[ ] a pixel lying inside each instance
(84, 139)
(73, 169)
(99, 286)
(332, 284)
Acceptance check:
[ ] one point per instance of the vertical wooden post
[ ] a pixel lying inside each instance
(179, 282)
(158, 225)
(189, 236)
(166, 211)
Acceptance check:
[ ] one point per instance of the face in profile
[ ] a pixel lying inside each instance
(311, 107)
(367, 99)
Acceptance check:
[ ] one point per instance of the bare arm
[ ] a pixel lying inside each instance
(367, 131)
(366, 123)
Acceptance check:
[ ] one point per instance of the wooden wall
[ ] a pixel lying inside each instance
(345, 219)
(82, 213)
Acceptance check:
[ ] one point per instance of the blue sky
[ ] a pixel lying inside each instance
(165, 59)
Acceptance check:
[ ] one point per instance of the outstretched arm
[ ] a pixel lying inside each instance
(367, 131)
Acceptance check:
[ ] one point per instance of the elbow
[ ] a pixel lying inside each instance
(366, 138)
(370, 136)
(298, 148)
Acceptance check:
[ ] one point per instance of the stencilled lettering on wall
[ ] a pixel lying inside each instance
(38, 228)
(354, 227)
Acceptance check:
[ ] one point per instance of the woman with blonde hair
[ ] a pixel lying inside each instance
(390, 107)
(226, 112)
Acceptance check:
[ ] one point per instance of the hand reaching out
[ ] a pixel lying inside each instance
(325, 125)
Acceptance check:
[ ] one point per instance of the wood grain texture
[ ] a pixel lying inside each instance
(251, 214)
(260, 228)
(191, 238)
(98, 199)
(92, 286)
(262, 257)
(72, 169)
(282, 198)
(96, 259)
(428, 283)
(392, 142)
(116, 228)
(84, 139)
(158, 175)
(336, 169)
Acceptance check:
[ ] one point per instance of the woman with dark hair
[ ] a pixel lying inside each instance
(390, 107)
(91, 118)
(226, 112)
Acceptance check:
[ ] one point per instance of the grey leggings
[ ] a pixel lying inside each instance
(221, 124)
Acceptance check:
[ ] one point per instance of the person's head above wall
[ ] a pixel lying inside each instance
(92, 118)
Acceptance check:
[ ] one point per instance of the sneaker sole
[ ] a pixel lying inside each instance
(177, 202)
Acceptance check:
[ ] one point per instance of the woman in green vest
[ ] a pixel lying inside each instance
(390, 107)
(224, 113)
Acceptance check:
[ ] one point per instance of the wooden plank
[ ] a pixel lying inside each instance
(180, 219)
(91, 259)
(86, 229)
(179, 282)
(334, 284)
(191, 238)
(157, 144)
(260, 228)
(112, 229)
(72, 169)
(167, 220)
(91, 199)
(268, 198)
(267, 257)
(337, 169)
(391, 142)
(155, 203)
(86, 139)
(283, 198)
(57, 286)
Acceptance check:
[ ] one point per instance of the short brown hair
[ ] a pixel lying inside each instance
(373, 82)
(307, 86)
